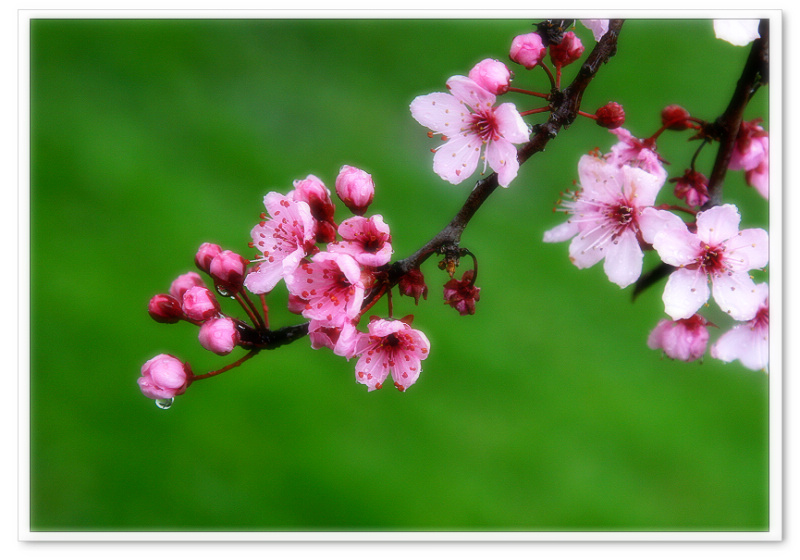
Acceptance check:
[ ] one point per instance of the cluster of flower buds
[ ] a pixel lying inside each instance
(613, 216)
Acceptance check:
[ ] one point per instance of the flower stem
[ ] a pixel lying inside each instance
(237, 363)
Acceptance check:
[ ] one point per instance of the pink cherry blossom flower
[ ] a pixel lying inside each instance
(492, 75)
(692, 187)
(284, 240)
(684, 339)
(331, 285)
(164, 377)
(718, 252)
(355, 188)
(390, 347)
(470, 122)
(635, 153)
(412, 284)
(219, 335)
(598, 27)
(462, 294)
(737, 32)
(367, 240)
(606, 218)
(342, 339)
(313, 192)
(527, 50)
(748, 342)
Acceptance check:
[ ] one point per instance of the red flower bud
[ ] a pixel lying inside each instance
(610, 115)
(675, 117)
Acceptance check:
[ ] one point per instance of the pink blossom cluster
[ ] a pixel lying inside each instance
(613, 217)
(333, 273)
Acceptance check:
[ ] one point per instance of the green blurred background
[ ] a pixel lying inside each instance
(545, 411)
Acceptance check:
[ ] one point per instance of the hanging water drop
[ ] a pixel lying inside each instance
(164, 403)
(223, 292)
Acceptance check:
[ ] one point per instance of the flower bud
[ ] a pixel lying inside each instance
(228, 270)
(355, 188)
(183, 283)
(610, 115)
(164, 308)
(675, 117)
(412, 284)
(462, 294)
(567, 51)
(314, 193)
(199, 304)
(164, 377)
(684, 339)
(205, 254)
(527, 50)
(692, 187)
(219, 335)
(492, 75)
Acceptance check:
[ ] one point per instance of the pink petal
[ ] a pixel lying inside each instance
(441, 112)
(370, 370)
(744, 343)
(640, 186)
(652, 221)
(718, 224)
(677, 245)
(686, 291)
(585, 250)
(502, 157)
(747, 250)
(565, 231)
(736, 294)
(469, 92)
(623, 264)
(457, 159)
(264, 278)
(406, 369)
(510, 124)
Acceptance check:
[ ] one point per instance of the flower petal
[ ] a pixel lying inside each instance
(736, 295)
(457, 159)
(686, 291)
(502, 157)
(510, 124)
(441, 112)
(623, 264)
(467, 91)
(718, 224)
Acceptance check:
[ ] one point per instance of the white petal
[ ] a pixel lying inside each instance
(737, 32)
(718, 224)
(686, 291)
(624, 257)
(736, 294)
(441, 112)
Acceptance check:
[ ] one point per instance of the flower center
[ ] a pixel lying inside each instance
(711, 260)
(484, 125)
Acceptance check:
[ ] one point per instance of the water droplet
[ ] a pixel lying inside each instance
(164, 403)
(223, 292)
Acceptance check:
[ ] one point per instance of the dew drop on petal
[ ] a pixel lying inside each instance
(164, 403)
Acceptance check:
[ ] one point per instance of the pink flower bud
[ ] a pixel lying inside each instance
(355, 188)
(314, 193)
(685, 339)
(751, 147)
(462, 294)
(164, 377)
(183, 283)
(165, 309)
(527, 50)
(692, 187)
(412, 284)
(610, 115)
(205, 254)
(199, 304)
(675, 117)
(228, 270)
(492, 75)
(219, 335)
(567, 51)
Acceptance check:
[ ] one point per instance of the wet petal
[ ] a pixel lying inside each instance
(686, 291)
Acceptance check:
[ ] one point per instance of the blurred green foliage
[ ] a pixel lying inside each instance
(545, 411)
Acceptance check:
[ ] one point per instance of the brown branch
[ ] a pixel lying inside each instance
(565, 105)
(726, 127)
